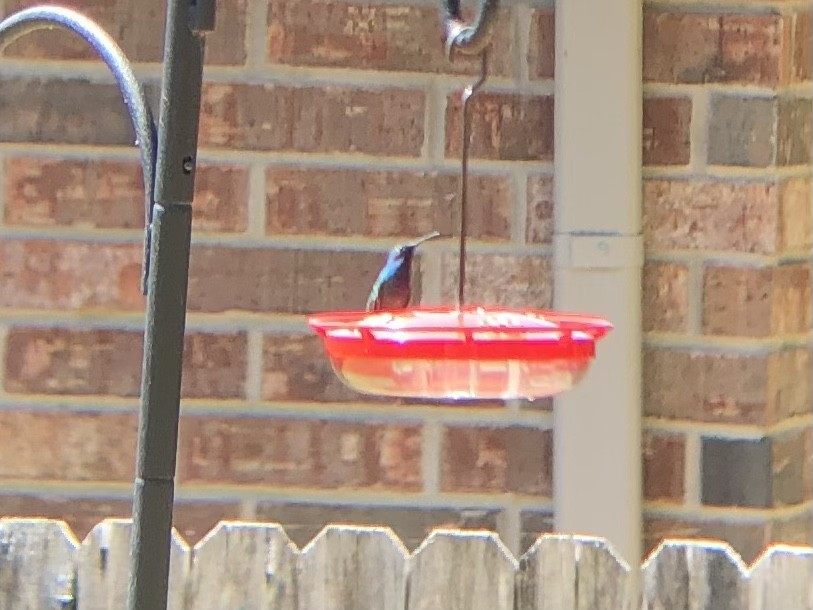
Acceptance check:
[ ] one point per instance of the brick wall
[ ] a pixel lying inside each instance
(329, 131)
(727, 207)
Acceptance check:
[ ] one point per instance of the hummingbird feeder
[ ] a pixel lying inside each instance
(462, 351)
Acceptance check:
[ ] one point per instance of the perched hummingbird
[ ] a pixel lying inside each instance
(391, 289)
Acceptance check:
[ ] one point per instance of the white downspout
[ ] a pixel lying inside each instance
(598, 257)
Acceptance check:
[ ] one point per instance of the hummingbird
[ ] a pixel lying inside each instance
(391, 289)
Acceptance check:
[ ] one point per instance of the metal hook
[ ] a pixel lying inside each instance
(48, 17)
(469, 38)
(468, 92)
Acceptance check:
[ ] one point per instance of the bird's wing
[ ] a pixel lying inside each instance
(372, 300)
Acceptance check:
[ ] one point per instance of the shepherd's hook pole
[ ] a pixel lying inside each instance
(186, 23)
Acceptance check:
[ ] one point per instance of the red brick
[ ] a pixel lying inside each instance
(412, 524)
(138, 28)
(312, 119)
(797, 530)
(70, 275)
(663, 462)
(382, 203)
(110, 194)
(730, 388)
(533, 524)
(737, 301)
(193, 519)
(67, 446)
(505, 126)
(81, 514)
(666, 131)
(688, 215)
(214, 365)
(508, 460)
(540, 210)
(756, 302)
(742, 131)
(794, 132)
(70, 111)
(703, 48)
(542, 46)
(374, 37)
(803, 47)
(500, 279)
(306, 453)
(294, 281)
(108, 362)
(795, 228)
(295, 367)
(665, 297)
(748, 539)
(790, 382)
(789, 465)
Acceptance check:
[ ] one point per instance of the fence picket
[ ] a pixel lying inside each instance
(37, 564)
(251, 566)
(103, 567)
(572, 573)
(254, 566)
(694, 575)
(353, 568)
(462, 570)
(782, 579)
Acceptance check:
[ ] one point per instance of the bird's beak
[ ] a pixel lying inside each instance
(426, 237)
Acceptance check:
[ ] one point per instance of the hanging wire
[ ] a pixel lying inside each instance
(468, 92)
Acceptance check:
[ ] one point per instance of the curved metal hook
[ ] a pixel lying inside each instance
(470, 39)
(48, 17)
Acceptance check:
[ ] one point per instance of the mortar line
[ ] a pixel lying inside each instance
(509, 528)
(3, 355)
(432, 438)
(305, 242)
(339, 160)
(254, 364)
(694, 314)
(715, 343)
(726, 430)
(256, 33)
(522, 20)
(288, 494)
(519, 194)
(731, 514)
(364, 413)
(435, 125)
(692, 469)
(256, 220)
(699, 130)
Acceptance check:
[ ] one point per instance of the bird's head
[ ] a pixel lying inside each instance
(403, 254)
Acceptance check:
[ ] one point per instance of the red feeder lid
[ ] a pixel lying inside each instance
(471, 333)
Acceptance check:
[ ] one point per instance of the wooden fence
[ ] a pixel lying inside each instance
(253, 566)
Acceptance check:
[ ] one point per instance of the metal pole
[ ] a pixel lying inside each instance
(166, 308)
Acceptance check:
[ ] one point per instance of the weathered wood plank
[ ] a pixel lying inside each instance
(694, 575)
(250, 566)
(103, 567)
(573, 573)
(782, 579)
(462, 570)
(353, 568)
(37, 569)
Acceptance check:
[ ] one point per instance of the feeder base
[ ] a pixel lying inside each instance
(460, 379)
